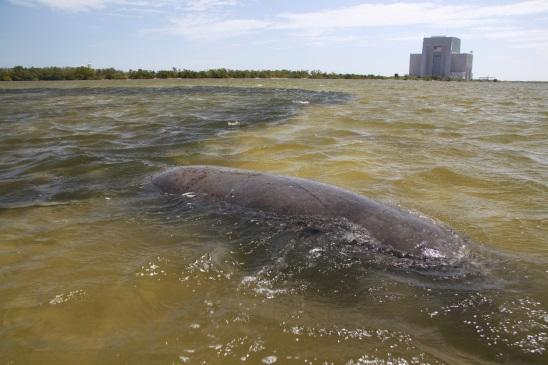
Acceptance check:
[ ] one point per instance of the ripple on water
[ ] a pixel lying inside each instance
(516, 323)
(121, 135)
(92, 261)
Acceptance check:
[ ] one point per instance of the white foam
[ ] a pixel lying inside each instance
(433, 253)
(65, 297)
(270, 359)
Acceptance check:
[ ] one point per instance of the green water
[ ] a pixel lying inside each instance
(98, 268)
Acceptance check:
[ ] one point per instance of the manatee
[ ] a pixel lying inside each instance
(402, 233)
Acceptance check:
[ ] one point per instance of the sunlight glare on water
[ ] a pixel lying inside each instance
(96, 267)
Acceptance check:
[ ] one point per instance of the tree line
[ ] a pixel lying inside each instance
(20, 73)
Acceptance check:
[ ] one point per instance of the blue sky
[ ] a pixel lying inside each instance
(509, 37)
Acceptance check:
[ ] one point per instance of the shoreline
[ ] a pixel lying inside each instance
(280, 78)
(20, 73)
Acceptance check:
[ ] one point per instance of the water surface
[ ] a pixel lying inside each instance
(96, 267)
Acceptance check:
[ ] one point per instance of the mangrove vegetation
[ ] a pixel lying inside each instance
(20, 73)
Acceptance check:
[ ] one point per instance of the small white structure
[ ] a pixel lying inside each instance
(441, 57)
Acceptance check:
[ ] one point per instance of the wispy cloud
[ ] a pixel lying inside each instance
(328, 24)
(207, 5)
(402, 13)
(213, 19)
(512, 35)
(83, 5)
(210, 27)
(67, 5)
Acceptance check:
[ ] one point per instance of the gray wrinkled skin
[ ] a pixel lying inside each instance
(402, 233)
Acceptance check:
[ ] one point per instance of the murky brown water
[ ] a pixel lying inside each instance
(96, 268)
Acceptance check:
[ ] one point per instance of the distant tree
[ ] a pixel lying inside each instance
(110, 74)
(166, 74)
(20, 73)
(84, 73)
(142, 74)
(4, 75)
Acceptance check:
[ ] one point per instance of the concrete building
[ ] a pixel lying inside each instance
(441, 57)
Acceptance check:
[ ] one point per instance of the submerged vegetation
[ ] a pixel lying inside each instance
(19, 73)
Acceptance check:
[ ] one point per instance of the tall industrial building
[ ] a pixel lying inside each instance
(441, 57)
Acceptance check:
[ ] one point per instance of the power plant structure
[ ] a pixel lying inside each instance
(441, 57)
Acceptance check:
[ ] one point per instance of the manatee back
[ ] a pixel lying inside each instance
(271, 193)
(405, 233)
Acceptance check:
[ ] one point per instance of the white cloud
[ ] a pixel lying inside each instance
(67, 5)
(206, 27)
(79, 5)
(401, 14)
(325, 25)
(207, 19)
(512, 36)
(206, 5)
